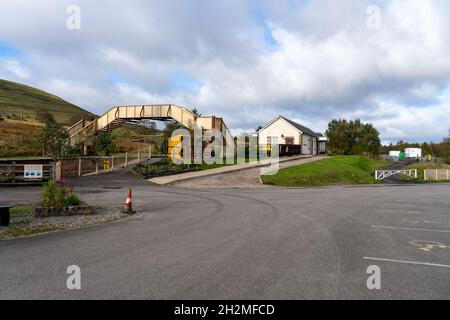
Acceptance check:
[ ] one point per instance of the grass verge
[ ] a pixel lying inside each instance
(338, 170)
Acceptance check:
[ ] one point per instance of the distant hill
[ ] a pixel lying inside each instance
(23, 110)
(24, 103)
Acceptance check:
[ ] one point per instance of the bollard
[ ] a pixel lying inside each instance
(128, 208)
(4, 215)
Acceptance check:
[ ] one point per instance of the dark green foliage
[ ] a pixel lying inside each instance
(53, 139)
(353, 138)
(103, 143)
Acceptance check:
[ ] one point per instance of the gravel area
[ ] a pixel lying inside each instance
(249, 178)
(24, 224)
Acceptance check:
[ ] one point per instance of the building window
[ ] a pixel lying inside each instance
(272, 140)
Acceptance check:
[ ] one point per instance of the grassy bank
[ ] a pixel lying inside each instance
(339, 170)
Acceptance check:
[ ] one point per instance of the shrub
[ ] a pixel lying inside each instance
(72, 200)
(58, 194)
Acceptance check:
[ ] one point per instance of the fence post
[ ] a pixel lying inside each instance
(437, 175)
(112, 163)
(425, 175)
(57, 172)
(149, 152)
(96, 167)
(79, 167)
(126, 159)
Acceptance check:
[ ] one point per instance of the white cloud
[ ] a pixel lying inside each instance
(323, 63)
(14, 67)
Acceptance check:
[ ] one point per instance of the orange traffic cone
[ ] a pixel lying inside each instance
(128, 208)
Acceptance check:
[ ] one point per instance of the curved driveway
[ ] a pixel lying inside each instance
(261, 243)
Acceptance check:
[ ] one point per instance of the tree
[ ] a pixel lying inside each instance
(196, 112)
(53, 139)
(171, 126)
(353, 137)
(103, 143)
(45, 116)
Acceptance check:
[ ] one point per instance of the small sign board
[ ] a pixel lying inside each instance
(106, 165)
(33, 172)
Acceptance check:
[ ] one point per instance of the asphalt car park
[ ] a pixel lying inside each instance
(246, 243)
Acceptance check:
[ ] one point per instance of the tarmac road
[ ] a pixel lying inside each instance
(266, 243)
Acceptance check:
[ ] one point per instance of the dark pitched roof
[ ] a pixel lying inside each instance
(302, 128)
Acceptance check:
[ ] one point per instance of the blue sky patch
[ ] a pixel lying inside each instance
(182, 82)
(8, 51)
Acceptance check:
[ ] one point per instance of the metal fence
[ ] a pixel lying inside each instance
(437, 174)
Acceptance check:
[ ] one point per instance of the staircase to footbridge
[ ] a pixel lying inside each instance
(117, 116)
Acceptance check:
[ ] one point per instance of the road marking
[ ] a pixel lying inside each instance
(416, 221)
(409, 262)
(410, 229)
(428, 246)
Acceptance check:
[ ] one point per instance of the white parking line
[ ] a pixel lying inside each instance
(411, 229)
(409, 262)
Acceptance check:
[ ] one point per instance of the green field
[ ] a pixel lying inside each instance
(339, 170)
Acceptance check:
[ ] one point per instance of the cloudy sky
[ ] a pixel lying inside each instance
(247, 61)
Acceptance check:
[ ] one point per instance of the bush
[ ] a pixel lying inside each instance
(72, 200)
(58, 194)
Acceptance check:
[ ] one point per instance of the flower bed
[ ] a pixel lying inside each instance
(59, 199)
(43, 212)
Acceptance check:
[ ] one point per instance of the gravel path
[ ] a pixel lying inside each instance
(249, 178)
(25, 224)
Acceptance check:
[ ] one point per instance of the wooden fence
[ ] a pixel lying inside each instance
(16, 172)
(437, 174)
(78, 167)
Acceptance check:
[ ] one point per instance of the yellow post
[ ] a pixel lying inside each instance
(126, 159)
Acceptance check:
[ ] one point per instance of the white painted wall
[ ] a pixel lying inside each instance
(413, 152)
(278, 129)
(307, 144)
(282, 129)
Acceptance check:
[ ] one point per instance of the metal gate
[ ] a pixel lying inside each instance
(383, 174)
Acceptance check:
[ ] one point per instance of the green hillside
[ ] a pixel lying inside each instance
(24, 103)
(22, 113)
(22, 110)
